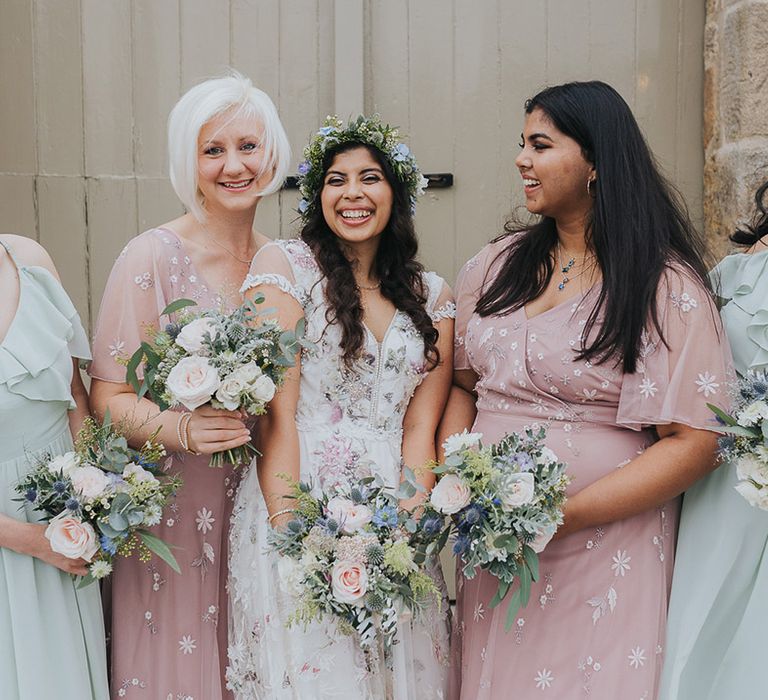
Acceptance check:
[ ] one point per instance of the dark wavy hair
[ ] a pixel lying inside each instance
(758, 227)
(395, 266)
(637, 227)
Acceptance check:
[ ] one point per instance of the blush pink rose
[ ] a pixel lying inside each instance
(450, 495)
(89, 482)
(193, 381)
(349, 581)
(350, 516)
(71, 537)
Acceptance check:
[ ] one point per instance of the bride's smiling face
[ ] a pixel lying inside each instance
(356, 198)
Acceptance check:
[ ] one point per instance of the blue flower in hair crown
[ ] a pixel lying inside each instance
(366, 130)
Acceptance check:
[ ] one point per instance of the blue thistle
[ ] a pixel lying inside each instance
(31, 495)
(431, 526)
(460, 545)
(173, 330)
(72, 504)
(60, 487)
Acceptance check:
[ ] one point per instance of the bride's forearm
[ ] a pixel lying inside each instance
(278, 465)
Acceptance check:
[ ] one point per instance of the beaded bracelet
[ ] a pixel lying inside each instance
(182, 435)
(278, 514)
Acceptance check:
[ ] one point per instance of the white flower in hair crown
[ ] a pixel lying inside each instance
(366, 130)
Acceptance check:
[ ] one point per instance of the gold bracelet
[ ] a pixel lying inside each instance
(189, 438)
(278, 514)
(182, 441)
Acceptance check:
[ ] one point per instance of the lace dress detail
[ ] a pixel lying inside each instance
(350, 425)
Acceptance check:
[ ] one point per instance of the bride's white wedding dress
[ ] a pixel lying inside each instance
(349, 422)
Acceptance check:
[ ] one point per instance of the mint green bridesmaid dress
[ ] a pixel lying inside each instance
(51, 634)
(717, 631)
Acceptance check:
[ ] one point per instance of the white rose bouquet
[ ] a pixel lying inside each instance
(353, 554)
(227, 360)
(505, 503)
(745, 443)
(100, 498)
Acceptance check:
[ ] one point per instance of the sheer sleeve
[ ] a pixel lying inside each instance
(676, 379)
(137, 291)
(469, 285)
(440, 302)
(272, 266)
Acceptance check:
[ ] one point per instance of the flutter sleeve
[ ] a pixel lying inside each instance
(137, 291)
(469, 286)
(676, 379)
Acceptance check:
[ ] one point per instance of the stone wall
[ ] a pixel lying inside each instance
(735, 113)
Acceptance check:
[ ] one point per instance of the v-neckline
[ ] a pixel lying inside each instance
(386, 332)
(559, 305)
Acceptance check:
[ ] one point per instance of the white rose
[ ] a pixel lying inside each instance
(451, 494)
(193, 381)
(349, 582)
(71, 537)
(141, 474)
(350, 516)
(290, 574)
(547, 457)
(542, 539)
(516, 490)
(461, 441)
(263, 389)
(755, 496)
(249, 372)
(88, 481)
(422, 185)
(229, 391)
(750, 467)
(64, 464)
(191, 335)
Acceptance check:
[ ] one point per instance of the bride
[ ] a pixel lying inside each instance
(367, 399)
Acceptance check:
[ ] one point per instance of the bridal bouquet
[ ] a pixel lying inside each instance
(226, 360)
(351, 553)
(505, 502)
(746, 437)
(101, 498)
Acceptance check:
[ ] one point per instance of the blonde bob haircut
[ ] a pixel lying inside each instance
(197, 107)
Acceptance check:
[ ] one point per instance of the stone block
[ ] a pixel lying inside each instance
(731, 176)
(744, 71)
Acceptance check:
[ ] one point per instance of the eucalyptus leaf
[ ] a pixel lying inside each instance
(531, 561)
(515, 603)
(722, 415)
(161, 549)
(118, 521)
(177, 305)
(501, 593)
(86, 580)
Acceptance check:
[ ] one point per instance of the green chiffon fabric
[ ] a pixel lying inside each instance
(51, 634)
(717, 632)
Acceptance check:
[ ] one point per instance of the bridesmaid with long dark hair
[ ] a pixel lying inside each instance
(596, 322)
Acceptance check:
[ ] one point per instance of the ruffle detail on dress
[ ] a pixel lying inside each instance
(742, 280)
(35, 357)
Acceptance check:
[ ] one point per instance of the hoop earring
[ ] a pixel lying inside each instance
(591, 181)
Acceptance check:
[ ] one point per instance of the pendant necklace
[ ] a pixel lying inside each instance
(565, 269)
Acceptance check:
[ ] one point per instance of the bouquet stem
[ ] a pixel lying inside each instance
(237, 456)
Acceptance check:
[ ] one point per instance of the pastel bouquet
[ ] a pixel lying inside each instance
(505, 502)
(101, 498)
(353, 554)
(228, 360)
(745, 442)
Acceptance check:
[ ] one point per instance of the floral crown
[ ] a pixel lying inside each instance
(366, 130)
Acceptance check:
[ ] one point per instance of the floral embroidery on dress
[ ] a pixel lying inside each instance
(144, 281)
(128, 684)
(621, 564)
(548, 595)
(544, 679)
(707, 384)
(636, 657)
(604, 604)
(187, 645)
(685, 302)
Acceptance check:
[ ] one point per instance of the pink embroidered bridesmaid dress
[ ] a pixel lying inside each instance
(594, 626)
(169, 631)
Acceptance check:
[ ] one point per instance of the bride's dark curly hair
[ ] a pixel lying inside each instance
(395, 266)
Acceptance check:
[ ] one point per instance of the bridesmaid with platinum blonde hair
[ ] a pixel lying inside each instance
(227, 150)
